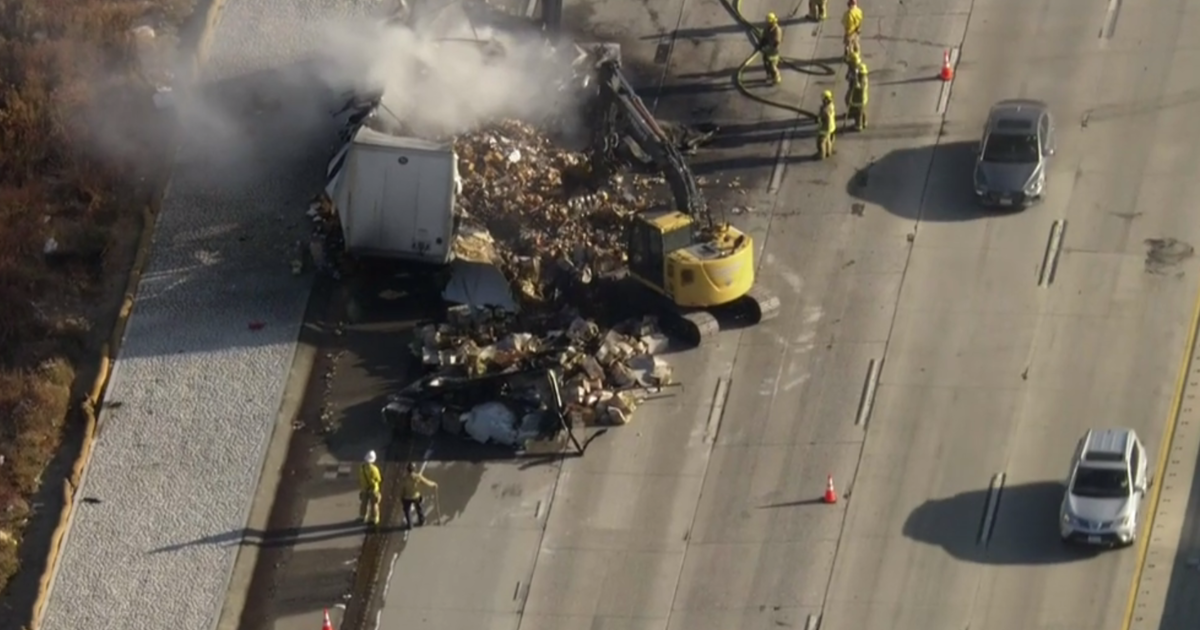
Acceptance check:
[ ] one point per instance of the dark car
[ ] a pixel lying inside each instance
(1011, 161)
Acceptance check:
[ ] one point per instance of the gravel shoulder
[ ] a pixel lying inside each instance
(196, 392)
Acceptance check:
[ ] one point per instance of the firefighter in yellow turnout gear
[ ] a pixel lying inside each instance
(769, 44)
(826, 126)
(369, 481)
(857, 93)
(410, 494)
(852, 26)
(817, 10)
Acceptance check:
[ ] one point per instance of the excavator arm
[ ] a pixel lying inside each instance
(621, 115)
(716, 268)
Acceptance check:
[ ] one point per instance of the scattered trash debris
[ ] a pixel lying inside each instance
(489, 381)
(536, 231)
(530, 207)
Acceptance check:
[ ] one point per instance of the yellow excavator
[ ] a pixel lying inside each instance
(694, 264)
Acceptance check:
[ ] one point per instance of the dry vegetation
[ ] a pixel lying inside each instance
(81, 149)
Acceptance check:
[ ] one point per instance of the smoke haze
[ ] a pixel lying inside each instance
(266, 96)
(442, 81)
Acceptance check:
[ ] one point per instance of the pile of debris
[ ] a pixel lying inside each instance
(507, 387)
(535, 206)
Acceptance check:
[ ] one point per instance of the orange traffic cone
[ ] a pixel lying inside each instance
(830, 493)
(947, 73)
(327, 625)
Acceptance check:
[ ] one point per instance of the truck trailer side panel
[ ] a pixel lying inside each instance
(426, 183)
(397, 199)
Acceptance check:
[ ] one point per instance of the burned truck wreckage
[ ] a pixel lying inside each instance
(534, 238)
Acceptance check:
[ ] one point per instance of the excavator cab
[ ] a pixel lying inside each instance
(694, 267)
(652, 238)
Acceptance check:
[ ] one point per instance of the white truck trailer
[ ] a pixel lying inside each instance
(394, 194)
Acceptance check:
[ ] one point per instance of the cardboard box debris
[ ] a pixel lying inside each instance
(535, 201)
(484, 376)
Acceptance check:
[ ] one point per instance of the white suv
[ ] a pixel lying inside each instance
(1105, 489)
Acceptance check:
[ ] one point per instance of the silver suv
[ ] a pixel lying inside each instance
(1105, 489)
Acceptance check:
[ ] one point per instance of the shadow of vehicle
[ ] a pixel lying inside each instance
(1023, 531)
(942, 171)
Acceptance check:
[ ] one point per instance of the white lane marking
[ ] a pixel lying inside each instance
(530, 6)
(537, 513)
(944, 96)
(993, 504)
(867, 401)
(1053, 249)
(1110, 19)
(425, 458)
(717, 411)
(814, 622)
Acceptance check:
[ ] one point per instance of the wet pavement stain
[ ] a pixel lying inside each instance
(1164, 255)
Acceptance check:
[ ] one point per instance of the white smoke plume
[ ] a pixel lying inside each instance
(270, 93)
(445, 77)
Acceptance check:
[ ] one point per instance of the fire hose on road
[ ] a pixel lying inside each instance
(809, 67)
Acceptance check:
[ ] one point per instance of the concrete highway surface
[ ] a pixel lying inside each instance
(926, 349)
